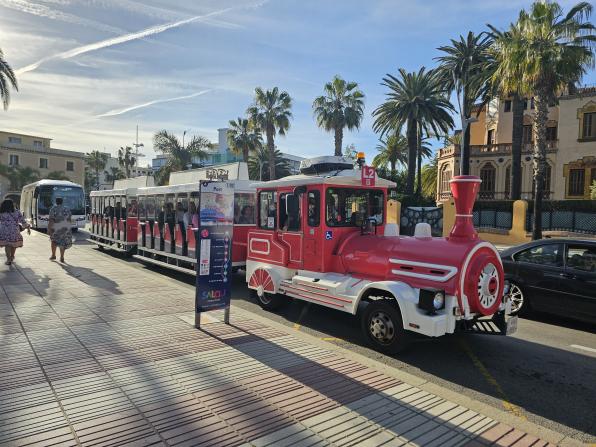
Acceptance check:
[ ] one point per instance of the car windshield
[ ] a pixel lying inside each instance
(73, 198)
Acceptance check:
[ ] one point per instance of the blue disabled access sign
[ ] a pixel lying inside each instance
(214, 246)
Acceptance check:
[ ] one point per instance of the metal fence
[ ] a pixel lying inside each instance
(493, 214)
(577, 216)
(412, 215)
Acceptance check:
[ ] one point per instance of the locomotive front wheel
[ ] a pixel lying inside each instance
(269, 301)
(383, 327)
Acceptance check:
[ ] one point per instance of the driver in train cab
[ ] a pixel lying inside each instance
(332, 210)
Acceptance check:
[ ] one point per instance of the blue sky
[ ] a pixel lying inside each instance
(89, 71)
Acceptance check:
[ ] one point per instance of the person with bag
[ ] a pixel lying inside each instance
(60, 229)
(11, 225)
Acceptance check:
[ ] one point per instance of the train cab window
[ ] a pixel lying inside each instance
(346, 207)
(267, 209)
(132, 208)
(314, 208)
(244, 208)
(289, 212)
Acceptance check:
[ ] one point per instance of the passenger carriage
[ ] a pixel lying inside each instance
(322, 237)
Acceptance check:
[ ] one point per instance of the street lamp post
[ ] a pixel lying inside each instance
(137, 145)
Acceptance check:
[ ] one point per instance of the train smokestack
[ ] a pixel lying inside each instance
(464, 189)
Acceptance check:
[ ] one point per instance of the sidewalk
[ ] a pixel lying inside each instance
(98, 352)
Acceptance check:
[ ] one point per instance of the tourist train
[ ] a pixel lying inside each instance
(322, 236)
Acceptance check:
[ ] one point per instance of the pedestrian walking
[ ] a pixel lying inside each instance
(59, 229)
(11, 225)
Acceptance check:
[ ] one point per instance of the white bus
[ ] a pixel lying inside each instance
(37, 199)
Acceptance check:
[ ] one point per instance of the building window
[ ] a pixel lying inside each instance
(37, 144)
(445, 178)
(14, 140)
(43, 163)
(507, 106)
(527, 134)
(551, 134)
(13, 160)
(487, 187)
(576, 182)
(589, 128)
(490, 137)
(70, 165)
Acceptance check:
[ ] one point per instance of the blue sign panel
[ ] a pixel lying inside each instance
(214, 246)
(328, 235)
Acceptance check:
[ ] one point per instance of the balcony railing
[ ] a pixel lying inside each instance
(494, 149)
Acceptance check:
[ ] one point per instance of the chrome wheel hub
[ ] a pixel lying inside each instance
(517, 298)
(381, 327)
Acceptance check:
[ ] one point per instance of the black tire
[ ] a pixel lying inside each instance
(270, 301)
(383, 328)
(520, 304)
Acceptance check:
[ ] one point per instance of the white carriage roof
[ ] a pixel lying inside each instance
(114, 192)
(348, 177)
(239, 186)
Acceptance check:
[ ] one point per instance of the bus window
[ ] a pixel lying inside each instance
(314, 208)
(244, 208)
(267, 209)
(290, 220)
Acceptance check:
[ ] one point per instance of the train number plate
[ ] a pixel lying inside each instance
(511, 325)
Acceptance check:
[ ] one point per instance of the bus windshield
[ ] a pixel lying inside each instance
(73, 197)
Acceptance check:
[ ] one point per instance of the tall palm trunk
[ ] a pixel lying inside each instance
(419, 162)
(516, 147)
(339, 136)
(412, 136)
(392, 163)
(271, 152)
(245, 154)
(539, 156)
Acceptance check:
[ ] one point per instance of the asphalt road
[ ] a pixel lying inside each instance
(543, 373)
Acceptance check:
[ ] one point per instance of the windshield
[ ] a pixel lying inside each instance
(73, 197)
(347, 207)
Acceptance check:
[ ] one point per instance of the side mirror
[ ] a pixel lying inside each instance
(292, 205)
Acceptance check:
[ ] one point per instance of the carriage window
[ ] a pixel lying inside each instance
(181, 206)
(132, 207)
(150, 206)
(244, 208)
(267, 209)
(350, 207)
(314, 208)
(289, 221)
(141, 208)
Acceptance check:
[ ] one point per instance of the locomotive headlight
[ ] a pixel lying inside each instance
(438, 300)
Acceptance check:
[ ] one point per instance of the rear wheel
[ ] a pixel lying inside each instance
(519, 301)
(269, 301)
(383, 327)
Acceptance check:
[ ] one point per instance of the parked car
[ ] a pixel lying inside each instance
(556, 276)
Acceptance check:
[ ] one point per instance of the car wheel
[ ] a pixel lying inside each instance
(270, 301)
(382, 326)
(519, 301)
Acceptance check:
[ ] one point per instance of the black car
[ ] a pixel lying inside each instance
(556, 276)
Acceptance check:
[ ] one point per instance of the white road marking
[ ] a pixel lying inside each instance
(585, 348)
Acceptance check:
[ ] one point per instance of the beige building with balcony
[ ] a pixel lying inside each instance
(571, 150)
(20, 150)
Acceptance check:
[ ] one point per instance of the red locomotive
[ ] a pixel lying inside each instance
(322, 237)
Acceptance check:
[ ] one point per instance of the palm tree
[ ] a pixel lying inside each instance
(498, 87)
(429, 177)
(414, 98)
(271, 115)
(126, 159)
(423, 151)
(462, 71)
(392, 150)
(7, 79)
(341, 106)
(57, 175)
(243, 138)
(97, 163)
(180, 157)
(549, 51)
(115, 173)
(258, 165)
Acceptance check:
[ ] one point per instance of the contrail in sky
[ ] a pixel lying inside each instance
(124, 38)
(150, 103)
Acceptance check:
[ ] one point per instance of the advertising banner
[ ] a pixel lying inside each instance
(214, 246)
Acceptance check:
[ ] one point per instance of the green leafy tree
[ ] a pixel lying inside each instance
(243, 138)
(429, 178)
(461, 69)
(115, 173)
(96, 161)
(179, 158)
(7, 80)
(342, 106)
(392, 150)
(57, 175)
(551, 50)
(126, 159)
(258, 165)
(20, 176)
(271, 114)
(424, 151)
(414, 98)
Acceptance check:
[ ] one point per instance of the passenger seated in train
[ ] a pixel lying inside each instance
(180, 211)
(333, 215)
(191, 217)
(246, 215)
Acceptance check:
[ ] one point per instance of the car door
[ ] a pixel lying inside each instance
(579, 280)
(539, 269)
